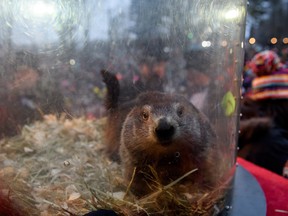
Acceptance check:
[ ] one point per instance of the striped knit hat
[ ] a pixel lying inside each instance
(271, 81)
(265, 63)
(269, 87)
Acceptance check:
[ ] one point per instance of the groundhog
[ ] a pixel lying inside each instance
(159, 137)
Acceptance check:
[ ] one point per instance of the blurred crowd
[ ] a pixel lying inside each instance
(25, 96)
(263, 139)
(32, 85)
(74, 88)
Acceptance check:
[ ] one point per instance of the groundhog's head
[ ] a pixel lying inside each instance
(162, 123)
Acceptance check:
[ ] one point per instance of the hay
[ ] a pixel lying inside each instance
(57, 167)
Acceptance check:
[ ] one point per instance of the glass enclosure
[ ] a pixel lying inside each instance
(126, 105)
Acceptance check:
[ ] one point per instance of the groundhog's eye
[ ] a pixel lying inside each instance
(145, 115)
(180, 111)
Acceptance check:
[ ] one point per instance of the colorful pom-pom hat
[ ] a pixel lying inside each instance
(271, 81)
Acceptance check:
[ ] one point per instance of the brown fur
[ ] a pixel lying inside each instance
(164, 133)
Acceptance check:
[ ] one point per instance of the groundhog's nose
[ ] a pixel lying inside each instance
(164, 130)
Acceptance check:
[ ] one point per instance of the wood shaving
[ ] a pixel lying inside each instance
(57, 167)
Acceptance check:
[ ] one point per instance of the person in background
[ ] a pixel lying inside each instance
(152, 74)
(26, 96)
(263, 139)
(151, 77)
(284, 56)
(198, 83)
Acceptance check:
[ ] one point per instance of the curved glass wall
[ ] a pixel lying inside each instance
(125, 105)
